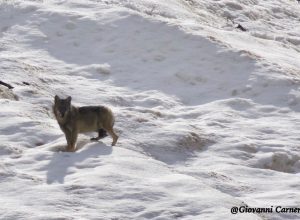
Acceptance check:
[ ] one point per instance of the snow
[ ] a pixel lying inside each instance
(207, 114)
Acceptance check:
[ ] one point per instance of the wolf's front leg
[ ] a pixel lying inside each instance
(71, 137)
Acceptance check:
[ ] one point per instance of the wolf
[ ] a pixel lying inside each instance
(73, 120)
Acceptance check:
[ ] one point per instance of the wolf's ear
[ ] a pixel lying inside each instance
(69, 99)
(56, 98)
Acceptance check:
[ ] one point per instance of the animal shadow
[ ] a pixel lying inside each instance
(61, 162)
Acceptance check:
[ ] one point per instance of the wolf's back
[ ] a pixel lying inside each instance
(92, 118)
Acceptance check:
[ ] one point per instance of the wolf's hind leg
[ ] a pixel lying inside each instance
(101, 134)
(113, 135)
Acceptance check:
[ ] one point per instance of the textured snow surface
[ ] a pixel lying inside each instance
(208, 115)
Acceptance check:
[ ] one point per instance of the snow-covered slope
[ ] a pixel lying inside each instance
(207, 115)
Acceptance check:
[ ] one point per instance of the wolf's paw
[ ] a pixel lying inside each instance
(114, 141)
(70, 149)
(95, 139)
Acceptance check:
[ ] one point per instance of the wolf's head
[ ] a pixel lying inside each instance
(62, 108)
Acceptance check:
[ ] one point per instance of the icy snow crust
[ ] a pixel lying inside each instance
(207, 115)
